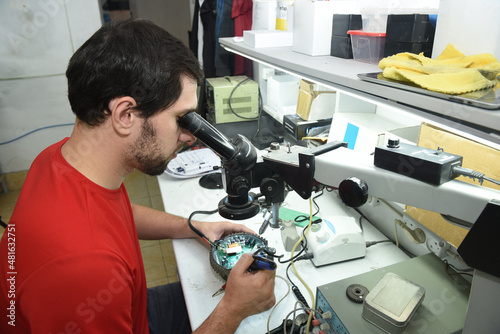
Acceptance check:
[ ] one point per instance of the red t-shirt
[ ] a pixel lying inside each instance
(70, 260)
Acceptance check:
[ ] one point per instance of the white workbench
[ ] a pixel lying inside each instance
(199, 281)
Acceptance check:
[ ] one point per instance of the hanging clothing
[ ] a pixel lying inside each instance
(208, 15)
(242, 15)
(193, 34)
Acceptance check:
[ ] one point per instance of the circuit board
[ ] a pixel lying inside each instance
(229, 249)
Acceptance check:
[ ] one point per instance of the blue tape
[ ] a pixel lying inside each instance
(351, 135)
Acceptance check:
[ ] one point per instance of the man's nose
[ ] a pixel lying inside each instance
(186, 136)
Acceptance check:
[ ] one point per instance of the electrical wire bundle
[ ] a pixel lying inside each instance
(198, 232)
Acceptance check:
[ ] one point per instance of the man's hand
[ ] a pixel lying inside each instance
(218, 230)
(249, 293)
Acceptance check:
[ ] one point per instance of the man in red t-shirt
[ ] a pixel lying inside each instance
(70, 257)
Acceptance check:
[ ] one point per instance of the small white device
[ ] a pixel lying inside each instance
(193, 163)
(335, 239)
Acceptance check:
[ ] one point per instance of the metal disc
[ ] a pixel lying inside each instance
(356, 292)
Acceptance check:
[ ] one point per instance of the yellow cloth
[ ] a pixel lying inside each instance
(451, 73)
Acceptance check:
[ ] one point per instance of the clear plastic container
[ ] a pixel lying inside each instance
(367, 46)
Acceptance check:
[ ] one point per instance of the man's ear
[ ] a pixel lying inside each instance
(123, 116)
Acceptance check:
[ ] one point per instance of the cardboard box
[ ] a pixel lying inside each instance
(267, 38)
(476, 156)
(314, 103)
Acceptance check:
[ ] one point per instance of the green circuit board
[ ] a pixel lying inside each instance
(230, 248)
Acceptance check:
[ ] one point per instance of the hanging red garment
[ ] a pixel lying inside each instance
(242, 15)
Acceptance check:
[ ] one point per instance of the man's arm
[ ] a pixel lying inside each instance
(153, 224)
(246, 293)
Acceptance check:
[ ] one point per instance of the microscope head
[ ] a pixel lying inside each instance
(242, 170)
(238, 157)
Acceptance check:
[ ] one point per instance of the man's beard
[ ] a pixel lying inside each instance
(146, 153)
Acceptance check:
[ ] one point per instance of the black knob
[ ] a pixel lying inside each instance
(393, 143)
(240, 185)
(353, 192)
(269, 187)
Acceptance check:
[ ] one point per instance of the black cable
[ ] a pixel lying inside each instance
(302, 218)
(299, 295)
(195, 230)
(259, 116)
(287, 276)
(361, 216)
(295, 288)
(295, 257)
(460, 170)
(229, 102)
(298, 256)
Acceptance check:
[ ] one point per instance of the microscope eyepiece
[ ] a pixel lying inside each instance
(208, 134)
(239, 156)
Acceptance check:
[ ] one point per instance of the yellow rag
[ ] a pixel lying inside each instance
(450, 73)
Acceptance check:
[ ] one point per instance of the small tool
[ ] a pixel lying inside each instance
(220, 291)
(265, 224)
(261, 262)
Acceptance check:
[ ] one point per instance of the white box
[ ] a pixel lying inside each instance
(264, 15)
(267, 38)
(279, 112)
(323, 106)
(282, 90)
(312, 25)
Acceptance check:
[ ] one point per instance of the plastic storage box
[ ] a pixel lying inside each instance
(367, 46)
(409, 33)
(341, 42)
(342, 23)
(410, 28)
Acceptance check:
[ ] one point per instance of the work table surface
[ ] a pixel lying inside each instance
(199, 281)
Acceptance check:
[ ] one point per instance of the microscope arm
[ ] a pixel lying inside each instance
(457, 199)
(242, 170)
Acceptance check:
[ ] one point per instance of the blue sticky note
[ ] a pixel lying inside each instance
(351, 134)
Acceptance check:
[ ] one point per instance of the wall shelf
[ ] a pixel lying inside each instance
(342, 74)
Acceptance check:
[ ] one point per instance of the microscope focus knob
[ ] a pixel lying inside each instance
(240, 185)
(353, 192)
(269, 187)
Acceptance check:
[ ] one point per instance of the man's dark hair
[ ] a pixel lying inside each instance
(133, 58)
